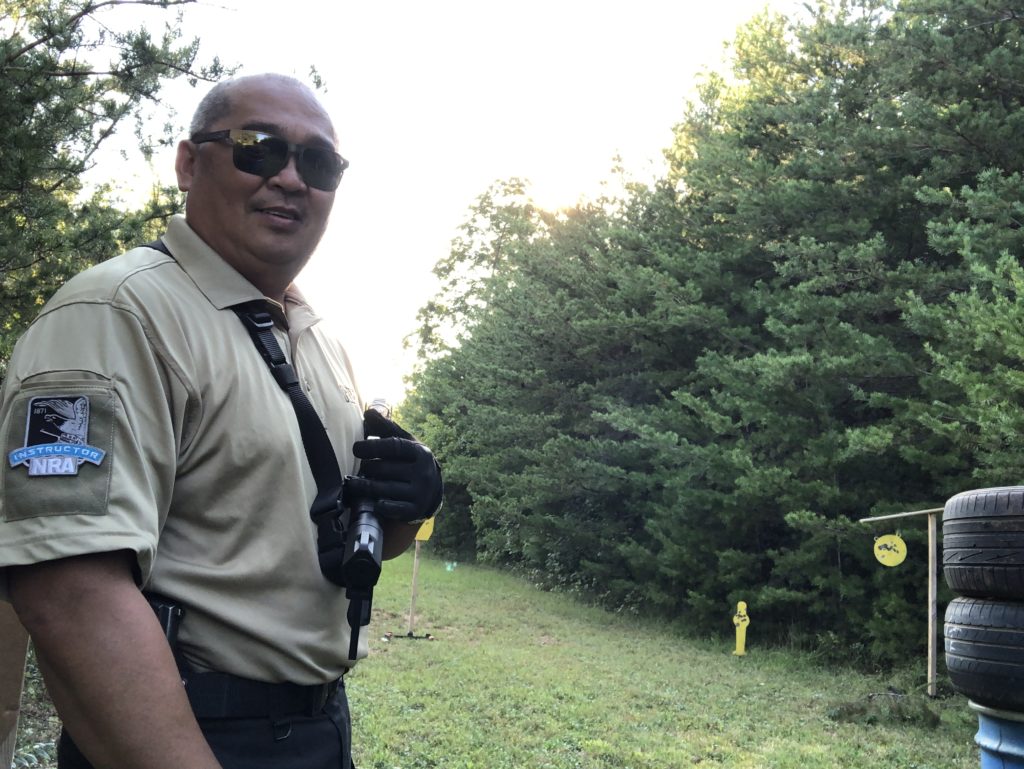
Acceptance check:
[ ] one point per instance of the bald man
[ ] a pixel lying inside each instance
(156, 463)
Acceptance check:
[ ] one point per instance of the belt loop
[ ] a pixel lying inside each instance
(279, 727)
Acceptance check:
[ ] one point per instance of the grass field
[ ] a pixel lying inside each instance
(516, 677)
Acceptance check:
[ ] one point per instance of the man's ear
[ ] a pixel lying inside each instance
(185, 164)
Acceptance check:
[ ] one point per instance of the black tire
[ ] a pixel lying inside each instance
(983, 543)
(985, 651)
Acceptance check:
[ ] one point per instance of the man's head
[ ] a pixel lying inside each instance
(265, 226)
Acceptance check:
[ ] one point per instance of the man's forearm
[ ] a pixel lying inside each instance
(107, 665)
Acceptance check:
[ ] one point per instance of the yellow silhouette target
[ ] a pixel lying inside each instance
(741, 619)
(890, 549)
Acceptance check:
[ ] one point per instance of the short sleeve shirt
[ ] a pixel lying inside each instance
(137, 414)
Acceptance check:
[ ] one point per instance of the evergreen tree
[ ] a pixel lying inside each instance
(58, 105)
(689, 397)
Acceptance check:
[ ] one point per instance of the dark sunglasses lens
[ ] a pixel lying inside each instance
(264, 157)
(320, 168)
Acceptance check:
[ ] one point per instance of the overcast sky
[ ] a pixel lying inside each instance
(434, 101)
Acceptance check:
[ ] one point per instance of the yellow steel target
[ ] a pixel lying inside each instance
(890, 549)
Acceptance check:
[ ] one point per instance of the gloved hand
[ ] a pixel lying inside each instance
(398, 473)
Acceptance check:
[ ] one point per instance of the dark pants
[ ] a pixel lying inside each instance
(322, 741)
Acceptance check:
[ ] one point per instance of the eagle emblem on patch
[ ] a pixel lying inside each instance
(56, 437)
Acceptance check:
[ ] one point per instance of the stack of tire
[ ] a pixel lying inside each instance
(983, 563)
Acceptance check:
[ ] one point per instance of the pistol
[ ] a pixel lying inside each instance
(169, 614)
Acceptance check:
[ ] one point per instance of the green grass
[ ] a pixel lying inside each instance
(517, 677)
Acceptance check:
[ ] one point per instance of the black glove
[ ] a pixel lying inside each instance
(398, 473)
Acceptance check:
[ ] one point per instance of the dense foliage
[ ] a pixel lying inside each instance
(69, 81)
(688, 395)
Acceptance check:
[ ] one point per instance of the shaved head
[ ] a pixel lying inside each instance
(217, 103)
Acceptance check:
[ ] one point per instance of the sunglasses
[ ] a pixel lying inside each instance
(266, 155)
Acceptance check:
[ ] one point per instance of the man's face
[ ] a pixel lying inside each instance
(265, 228)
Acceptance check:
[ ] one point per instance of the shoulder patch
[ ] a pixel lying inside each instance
(56, 436)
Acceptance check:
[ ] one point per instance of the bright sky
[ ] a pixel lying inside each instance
(434, 101)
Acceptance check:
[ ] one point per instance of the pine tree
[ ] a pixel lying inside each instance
(58, 105)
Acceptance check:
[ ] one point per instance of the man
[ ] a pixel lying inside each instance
(150, 447)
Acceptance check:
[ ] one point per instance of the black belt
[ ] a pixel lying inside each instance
(221, 695)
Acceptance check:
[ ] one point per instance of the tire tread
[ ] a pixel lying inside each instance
(983, 543)
(984, 644)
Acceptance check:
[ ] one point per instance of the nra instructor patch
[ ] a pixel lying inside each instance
(56, 436)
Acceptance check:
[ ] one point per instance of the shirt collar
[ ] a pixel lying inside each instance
(219, 282)
(300, 314)
(223, 285)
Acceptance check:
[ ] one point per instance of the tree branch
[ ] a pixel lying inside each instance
(86, 11)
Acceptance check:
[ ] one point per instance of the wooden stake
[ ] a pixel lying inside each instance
(933, 604)
(13, 650)
(415, 577)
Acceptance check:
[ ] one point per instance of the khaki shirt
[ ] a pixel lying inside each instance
(137, 414)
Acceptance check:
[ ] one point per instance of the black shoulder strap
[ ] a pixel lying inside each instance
(322, 461)
(319, 451)
(327, 507)
(158, 245)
